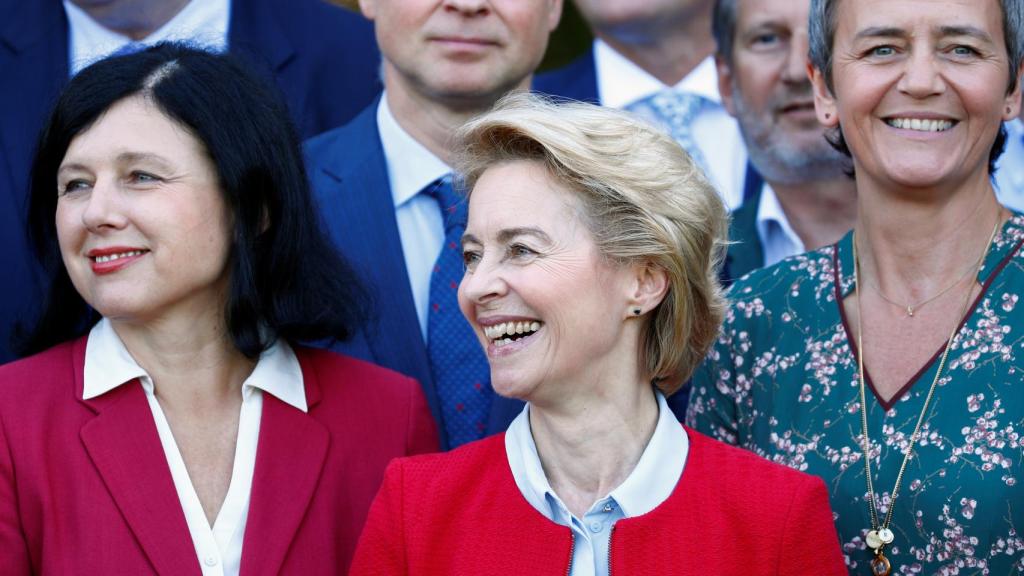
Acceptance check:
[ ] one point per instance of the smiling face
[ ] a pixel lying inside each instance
(461, 51)
(920, 89)
(765, 85)
(549, 309)
(141, 221)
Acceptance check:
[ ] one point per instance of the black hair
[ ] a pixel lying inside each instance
(286, 279)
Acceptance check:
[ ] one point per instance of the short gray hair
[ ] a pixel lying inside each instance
(643, 200)
(824, 21)
(723, 27)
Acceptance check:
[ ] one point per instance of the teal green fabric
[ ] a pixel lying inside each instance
(782, 381)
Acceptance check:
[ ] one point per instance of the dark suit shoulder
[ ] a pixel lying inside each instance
(576, 80)
(361, 124)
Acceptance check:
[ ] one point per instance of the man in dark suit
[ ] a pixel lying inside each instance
(655, 57)
(324, 59)
(805, 201)
(383, 189)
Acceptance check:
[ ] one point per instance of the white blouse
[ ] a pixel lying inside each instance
(108, 365)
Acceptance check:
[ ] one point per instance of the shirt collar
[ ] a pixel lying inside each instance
(108, 364)
(620, 82)
(201, 22)
(771, 220)
(649, 484)
(411, 167)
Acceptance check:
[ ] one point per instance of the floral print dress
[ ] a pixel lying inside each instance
(782, 381)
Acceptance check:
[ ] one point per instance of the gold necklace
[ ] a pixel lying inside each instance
(910, 308)
(880, 534)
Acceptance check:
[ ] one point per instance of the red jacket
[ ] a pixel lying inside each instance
(85, 487)
(732, 513)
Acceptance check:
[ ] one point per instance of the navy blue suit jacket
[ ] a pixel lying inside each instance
(576, 80)
(324, 59)
(349, 175)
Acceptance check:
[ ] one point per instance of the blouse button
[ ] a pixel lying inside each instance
(210, 561)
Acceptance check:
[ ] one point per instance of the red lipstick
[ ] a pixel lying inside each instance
(111, 259)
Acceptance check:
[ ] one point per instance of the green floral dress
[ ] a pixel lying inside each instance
(782, 381)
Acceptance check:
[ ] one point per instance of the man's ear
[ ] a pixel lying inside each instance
(725, 84)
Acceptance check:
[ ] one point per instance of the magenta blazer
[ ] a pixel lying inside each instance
(85, 487)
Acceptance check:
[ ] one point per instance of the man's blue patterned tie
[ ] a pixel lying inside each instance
(457, 361)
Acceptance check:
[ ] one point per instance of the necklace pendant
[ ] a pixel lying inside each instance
(886, 536)
(910, 311)
(880, 565)
(873, 540)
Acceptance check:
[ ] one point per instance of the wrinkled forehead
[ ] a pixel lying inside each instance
(981, 19)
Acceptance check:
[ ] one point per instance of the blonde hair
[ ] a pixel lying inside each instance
(644, 200)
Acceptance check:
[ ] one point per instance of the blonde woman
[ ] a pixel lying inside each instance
(590, 253)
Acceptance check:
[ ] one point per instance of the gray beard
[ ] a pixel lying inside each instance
(778, 159)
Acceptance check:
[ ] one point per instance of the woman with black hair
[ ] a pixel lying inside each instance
(167, 421)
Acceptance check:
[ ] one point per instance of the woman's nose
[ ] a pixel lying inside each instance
(482, 282)
(921, 76)
(104, 207)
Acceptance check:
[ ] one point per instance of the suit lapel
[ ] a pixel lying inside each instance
(354, 195)
(124, 445)
(291, 454)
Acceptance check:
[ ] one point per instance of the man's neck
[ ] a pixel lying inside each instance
(136, 19)
(670, 53)
(819, 211)
(431, 122)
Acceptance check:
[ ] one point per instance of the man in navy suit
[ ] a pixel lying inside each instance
(644, 48)
(378, 181)
(324, 59)
(805, 201)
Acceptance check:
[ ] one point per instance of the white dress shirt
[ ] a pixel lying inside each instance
(620, 82)
(202, 22)
(108, 364)
(649, 484)
(1009, 179)
(411, 167)
(778, 240)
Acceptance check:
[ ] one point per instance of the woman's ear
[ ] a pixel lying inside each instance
(824, 102)
(649, 287)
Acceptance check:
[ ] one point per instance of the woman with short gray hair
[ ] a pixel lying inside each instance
(890, 363)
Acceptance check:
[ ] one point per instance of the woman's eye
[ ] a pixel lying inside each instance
(470, 258)
(520, 251)
(882, 51)
(72, 186)
(962, 50)
(144, 177)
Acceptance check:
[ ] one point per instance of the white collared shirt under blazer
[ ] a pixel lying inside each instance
(108, 364)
